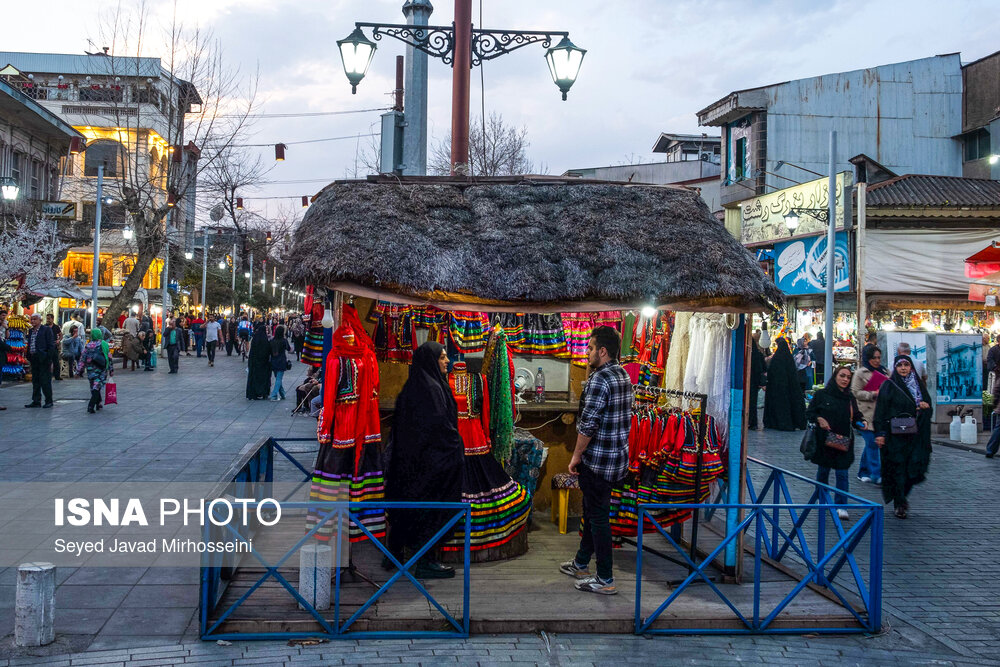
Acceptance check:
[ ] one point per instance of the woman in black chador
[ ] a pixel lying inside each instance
(784, 402)
(905, 457)
(259, 365)
(425, 457)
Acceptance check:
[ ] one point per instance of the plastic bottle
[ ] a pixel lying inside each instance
(539, 386)
(955, 428)
(970, 433)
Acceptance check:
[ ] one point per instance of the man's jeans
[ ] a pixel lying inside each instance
(278, 375)
(596, 522)
(994, 443)
(210, 346)
(823, 476)
(199, 341)
(871, 458)
(41, 377)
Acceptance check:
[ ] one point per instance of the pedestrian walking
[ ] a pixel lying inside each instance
(903, 349)
(259, 365)
(39, 354)
(213, 330)
(172, 341)
(865, 387)
(279, 362)
(148, 339)
(903, 433)
(133, 351)
(72, 350)
(784, 402)
(817, 349)
(834, 411)
(131, 325)
(198, 333)
(804, 362)
(994, 443)
(231, 336)
(298, 337)
(600, 457)
(50, 322)
(96, 360)
(758, 378)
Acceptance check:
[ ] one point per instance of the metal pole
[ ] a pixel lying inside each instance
(274, 278)
(204, 276)
(859, 268)
(398, 92)
(460, 85)
(831, 258)
(234, 271)
(417, 13)
(251, 276)
(164, 282)
(97, 247)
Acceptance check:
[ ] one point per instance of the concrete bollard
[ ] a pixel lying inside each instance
(34, 613)
(314, 574)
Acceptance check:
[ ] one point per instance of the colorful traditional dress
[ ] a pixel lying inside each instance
(349, 465)
(312, 348)
(395, 332)
(500, 505)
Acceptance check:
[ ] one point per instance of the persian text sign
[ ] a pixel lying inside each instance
(61, 210)
(763, 218)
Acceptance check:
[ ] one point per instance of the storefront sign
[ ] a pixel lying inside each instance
(762, 218)
(59, 210)
(959, 369)
(800, 266)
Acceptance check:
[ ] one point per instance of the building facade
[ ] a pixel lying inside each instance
(981, 118)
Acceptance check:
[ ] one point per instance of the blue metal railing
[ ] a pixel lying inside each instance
(779, 533)
(255, 469)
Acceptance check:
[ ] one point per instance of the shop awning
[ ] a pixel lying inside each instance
(56, 292)
(531, 244)
(986, 290)
(984, 262)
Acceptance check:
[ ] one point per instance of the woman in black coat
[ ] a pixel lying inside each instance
(905, 457)
(259, 365)
(834, 411)
(784, 402)
(426, 458)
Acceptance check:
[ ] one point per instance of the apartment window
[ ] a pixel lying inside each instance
(977, 145)
(15, 168)
(107, 152)
(740, 157)
(36, 178)
(101, 95)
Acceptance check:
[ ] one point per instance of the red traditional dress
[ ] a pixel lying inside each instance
(500, 505)
(349, 465)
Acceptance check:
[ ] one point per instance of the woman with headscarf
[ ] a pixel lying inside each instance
(259, 365)
(865, 386)
(298, 332)
(784, 402)
(905, 456)
(834, 411)
(426, 456)
(96, 359)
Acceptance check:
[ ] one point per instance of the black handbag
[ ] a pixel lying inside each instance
(903, 425)
(288, 364)
(808, 445)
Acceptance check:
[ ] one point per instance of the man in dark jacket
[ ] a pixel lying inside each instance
(40, 350)
(50, 322)
(817, 348)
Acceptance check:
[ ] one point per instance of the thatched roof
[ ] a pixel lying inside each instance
(539, 245)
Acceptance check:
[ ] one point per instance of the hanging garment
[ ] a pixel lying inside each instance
(513, 327)
(312, 348)
(434, 320)
(544, 335)
(576, 329)
(498, 364)
(468, 330)
(349, 465)
(680, 340)
(395, 332)
(500, 505)
(627, 329)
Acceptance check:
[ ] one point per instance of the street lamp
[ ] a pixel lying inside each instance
(222, 264)
(8, 187)
(356, 52)
(792, 221)
(127, 233)
(246, 274)
(994, 158)
(188, 254)
(564, 61)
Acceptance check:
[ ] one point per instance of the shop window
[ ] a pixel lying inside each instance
(740, 157)
(977, 145)
(107, 152)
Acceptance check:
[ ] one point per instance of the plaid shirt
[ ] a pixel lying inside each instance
(606, 416)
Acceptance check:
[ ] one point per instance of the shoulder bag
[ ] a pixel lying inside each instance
(841, 443)
(903, 425)
(808, 445)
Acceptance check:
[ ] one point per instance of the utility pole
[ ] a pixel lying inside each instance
(251, 277)
(97, 247)
(461, 72)
(417, 13)
(204, 276)
(831, 259)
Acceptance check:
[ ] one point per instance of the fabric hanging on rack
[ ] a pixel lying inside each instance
(500, 505)
(468, 330)
(498, 365)
(395, 331)
(434, 319)
(312, 349)
(543, 335)
(627, 329)
(349, 464)
(707, 369)
(673, 376)
(576, 329)
(513, 328)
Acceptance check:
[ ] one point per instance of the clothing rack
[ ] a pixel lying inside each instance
(702, 401)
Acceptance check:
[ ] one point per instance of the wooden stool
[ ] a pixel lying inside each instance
(561, 485)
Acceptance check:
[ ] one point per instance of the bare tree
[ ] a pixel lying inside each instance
(498, 149)
(173, 128)
(30, 252)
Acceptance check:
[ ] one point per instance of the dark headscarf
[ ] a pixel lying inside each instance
(866, 359)
(911, 384)
(278, 342)
(834, 390)
(426, 383)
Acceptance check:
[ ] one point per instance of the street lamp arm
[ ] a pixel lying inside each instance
(434, 40)
(489, 44)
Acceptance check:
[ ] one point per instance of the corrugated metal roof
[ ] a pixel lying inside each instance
(84, 65)
(941, 191)
(45, 118)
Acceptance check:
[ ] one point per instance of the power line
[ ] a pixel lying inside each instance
(309, 114)
(305, 141)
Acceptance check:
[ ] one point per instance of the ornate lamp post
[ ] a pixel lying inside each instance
(462, 47)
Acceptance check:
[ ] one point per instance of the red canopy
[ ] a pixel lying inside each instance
(984, 262)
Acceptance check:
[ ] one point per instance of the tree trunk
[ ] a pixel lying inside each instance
(123, 299)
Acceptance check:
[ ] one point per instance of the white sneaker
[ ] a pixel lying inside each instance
(842, 514)
(866, 480)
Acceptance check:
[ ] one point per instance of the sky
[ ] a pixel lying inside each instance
(650, 66)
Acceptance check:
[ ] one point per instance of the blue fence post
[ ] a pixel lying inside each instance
(875, 577)
(736, 443)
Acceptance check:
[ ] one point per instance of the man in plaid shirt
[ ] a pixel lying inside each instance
(600, 457)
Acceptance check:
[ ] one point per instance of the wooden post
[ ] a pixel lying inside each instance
(398, 106)
(460, 84)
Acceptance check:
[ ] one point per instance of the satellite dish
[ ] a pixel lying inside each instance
(216, 213)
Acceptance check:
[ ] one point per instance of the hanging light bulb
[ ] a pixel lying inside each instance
(171, 200)
(239, 203)
(279, 152)
(305, 201)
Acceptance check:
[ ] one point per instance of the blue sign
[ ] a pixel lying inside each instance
(800, 266)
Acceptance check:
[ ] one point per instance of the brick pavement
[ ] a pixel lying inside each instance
(941, 595)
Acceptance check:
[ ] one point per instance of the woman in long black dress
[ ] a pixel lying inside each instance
(426, 457)
(259, 365)
(784, 402)
(905, 458)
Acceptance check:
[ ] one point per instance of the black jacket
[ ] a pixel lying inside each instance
(818, 349)
(45, 342)
(837, 411)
